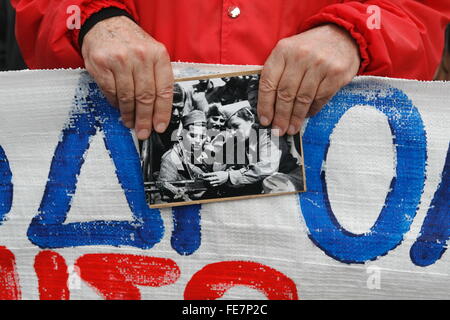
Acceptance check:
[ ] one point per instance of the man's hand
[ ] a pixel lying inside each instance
(217, 178)
(134, 72)
(303, 73)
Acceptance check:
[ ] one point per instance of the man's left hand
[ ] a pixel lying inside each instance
(217, 178)
(303, 73)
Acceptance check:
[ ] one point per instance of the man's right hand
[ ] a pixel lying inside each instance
(134, 72)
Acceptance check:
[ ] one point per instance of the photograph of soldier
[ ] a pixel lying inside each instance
(185, 161)
(216, 150)
(260, 162)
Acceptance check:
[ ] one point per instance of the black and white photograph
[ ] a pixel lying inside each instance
(214, 148)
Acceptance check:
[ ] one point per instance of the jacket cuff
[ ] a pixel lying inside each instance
(357, 34)
(97, 17)
(95, 10)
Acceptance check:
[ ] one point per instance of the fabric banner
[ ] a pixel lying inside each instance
(373, 224)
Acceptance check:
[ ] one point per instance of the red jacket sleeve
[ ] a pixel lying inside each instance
(53, 44)
(408, 43)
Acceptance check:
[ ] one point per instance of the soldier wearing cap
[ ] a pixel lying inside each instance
(158, 144)
(186, 159)
(253, 160)
(184, 102)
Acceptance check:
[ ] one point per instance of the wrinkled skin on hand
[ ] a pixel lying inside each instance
(133, 71)
(217, 178)
(303, 73)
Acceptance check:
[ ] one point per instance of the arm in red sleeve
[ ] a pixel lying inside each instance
(42, 29)
(408, 43)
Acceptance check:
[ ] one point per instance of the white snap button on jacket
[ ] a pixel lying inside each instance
(234, 12)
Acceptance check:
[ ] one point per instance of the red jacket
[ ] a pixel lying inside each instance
(409, 43)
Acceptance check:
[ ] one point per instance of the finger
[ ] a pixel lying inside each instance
(105, 80)
(325, 92)
(268, 84)
(206, 175)
(164, 92)
(125, 95)
(144, 99)
(108, 88)
(304, 99)
(333, 81)
(286, 95)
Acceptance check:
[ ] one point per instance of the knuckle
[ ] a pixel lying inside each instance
(266, 85)
(146, 97)
(304, 99)
(302, 51)
(118, 56)
(99, 58)
(140, 51)
(285, 95)
(125, 98)
(336, 69)
(320, 61)
(166, 92)
(284, 45)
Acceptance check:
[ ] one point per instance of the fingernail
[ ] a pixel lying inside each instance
(292, 130)
(264, 121)
(143, 134)
(160, 127)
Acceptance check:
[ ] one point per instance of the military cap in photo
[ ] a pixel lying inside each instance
(192, 117)
(230, 110)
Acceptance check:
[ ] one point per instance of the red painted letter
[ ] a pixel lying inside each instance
(51, 270)
(215, 279)
(9, 280)
(116, 276)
